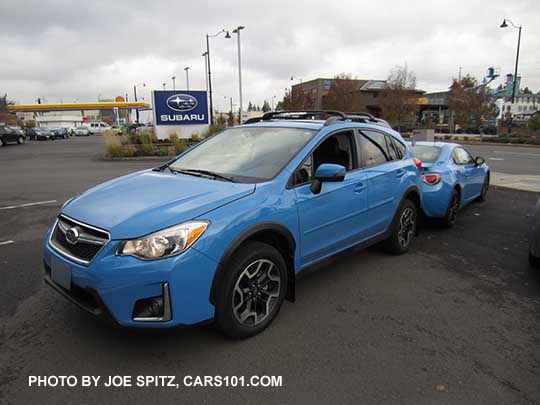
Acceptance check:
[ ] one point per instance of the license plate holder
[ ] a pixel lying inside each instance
(61, 273)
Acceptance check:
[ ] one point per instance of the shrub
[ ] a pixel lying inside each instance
(213, 129)
(195, 137)
(178, 144)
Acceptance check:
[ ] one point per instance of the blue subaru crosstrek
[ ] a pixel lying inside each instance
(221, 231)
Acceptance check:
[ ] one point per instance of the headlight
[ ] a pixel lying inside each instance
(165, 243)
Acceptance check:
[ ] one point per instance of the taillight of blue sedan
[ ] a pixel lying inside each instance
(452, 178)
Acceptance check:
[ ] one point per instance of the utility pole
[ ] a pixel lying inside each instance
(173, 82)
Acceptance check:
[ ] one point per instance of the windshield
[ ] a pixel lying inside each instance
(246, 154)
(428, 154)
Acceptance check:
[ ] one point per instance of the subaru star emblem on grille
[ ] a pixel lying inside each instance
(72, 235)
(182, 102)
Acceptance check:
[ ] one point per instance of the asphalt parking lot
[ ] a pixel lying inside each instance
(462, 310)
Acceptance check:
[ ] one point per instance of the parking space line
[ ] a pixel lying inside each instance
(7, 242)
(10, 207)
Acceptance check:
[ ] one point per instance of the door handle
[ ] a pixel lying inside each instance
(358, 188)
(400, 173)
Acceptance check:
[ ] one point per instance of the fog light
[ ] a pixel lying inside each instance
(154, 309)
(148, 308)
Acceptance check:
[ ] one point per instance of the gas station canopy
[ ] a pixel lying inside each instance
(78, 106)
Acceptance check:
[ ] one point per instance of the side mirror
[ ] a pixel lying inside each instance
(327, 172)
(479, 161)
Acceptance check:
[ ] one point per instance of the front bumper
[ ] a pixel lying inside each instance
(110, 285)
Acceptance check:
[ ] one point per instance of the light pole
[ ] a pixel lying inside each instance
(205, 55)
(504, 25)
(164, 85)
(173, 82)
(187, 77)
(135, 98)
(209, 70)
(237, 32)
(273, 98)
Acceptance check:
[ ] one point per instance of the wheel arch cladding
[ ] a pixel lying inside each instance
(271, 233)
(413, 194)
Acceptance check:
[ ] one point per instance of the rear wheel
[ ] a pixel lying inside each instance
(485, 188)
(453, 208)
(252, 290)
(403, 228)
(1, 142)
(20, 140)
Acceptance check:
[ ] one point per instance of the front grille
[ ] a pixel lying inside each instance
(88, 243)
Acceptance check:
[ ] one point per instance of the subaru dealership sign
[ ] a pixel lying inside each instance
(179, 107)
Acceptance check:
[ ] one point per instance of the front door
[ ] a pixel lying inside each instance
(333, 219)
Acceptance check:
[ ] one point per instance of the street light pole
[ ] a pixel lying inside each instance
(135, 98)
(205, 54)
(210, 72)
(187, 77)
(237, 32)
(164, 85)
(173, 82)
(504, 25)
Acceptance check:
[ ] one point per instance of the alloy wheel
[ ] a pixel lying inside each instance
(406, 227)
(454, 208)
(256, 292)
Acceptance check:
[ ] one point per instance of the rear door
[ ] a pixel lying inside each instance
(384, 170)
(335, 218)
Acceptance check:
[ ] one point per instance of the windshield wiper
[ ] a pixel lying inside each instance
(205, 172)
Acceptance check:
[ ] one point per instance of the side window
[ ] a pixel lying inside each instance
(304, 174)
(337, 149)
(462, 157)
(392, 152)
(374, 148)
(400, 148)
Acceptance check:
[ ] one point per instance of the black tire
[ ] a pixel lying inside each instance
(534, 261)
(20, 140)
(485, 188)
(403, 229)
(2, 143)
(238, 292)
(453, 208)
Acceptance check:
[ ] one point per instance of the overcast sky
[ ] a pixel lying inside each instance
(73, 50)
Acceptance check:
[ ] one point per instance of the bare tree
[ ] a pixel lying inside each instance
(398, 99)
(343, 94)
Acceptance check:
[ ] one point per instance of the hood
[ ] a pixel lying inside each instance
(144, 202)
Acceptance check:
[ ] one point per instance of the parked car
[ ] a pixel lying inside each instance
(60, 133)
(96, 127)
(222, 230)
(452, 178)
(40, 134)
(534, 238)
(11, 134)
(145, 128)
(81, 131)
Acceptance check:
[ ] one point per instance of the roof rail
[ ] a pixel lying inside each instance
(334, 117)
(297, 115)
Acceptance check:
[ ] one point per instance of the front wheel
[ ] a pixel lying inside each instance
(485, 188)
(20, 140)
(1, 142)
(252, 290)
(403, 229)
(534, 261)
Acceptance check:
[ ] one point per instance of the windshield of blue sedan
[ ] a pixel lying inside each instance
(246, 154)
(425, 153)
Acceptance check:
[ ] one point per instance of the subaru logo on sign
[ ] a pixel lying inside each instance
(182, 102)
